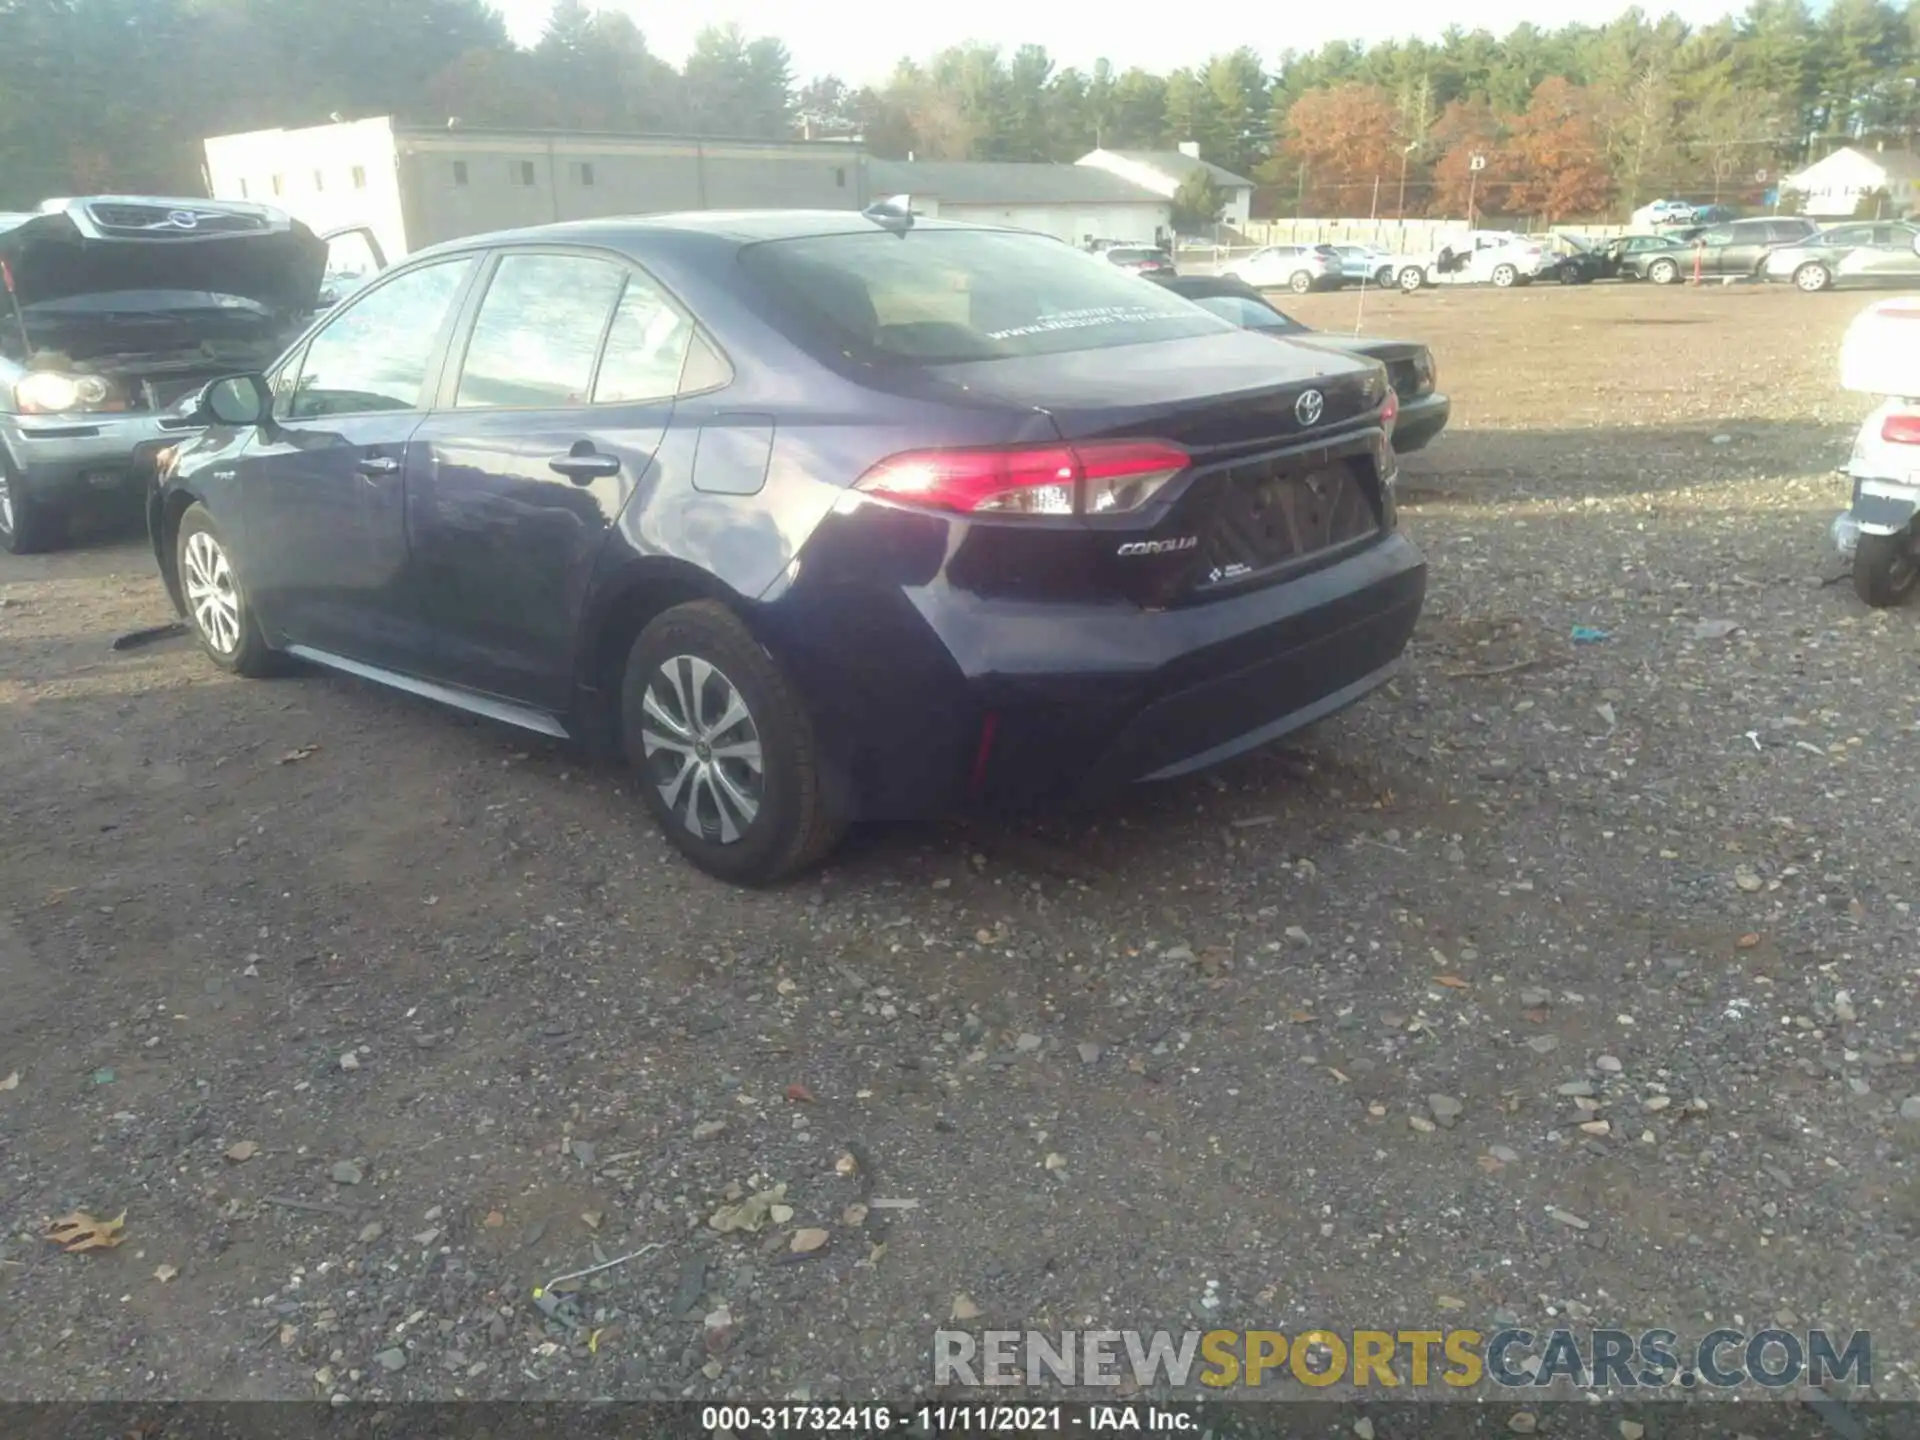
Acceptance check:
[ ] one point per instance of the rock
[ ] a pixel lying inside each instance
(1609, 1063)
(719, 1319)
(371, 1233)
(707, 1129)
(805, 1242)
(1505, 1154)
(1298, 935)
(1632, 1430)
(1522, 1422)
(1363, 1427)
(1027, 1044)
(1748, 879)
(392, 1360)
(1579, 1089)
(345, 1172)
(1181, 953)
(1910, 1108)
(1446, 1109)
(1843, 1010)
(1656, 1103)
(1534, 998)
(1715, 629)
(350, 1061)
(1567, 1217)
(1543, 1044)
(1089, 1052)
(1421, 1123)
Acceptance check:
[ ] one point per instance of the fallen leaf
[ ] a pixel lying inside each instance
(12, 1082)
(1301, 1017)
(805, 1242)
(854, 1215)
(1339, 1075)
(799, 1094)
(591, 1219)
(780, 1214)
(846, 1165)
(1488, 1163)
(242, 1152)
(494, 1220)
(1747, 942)
(876, 1253)
(964, 1309)
(297, 754)
(1451, 1302)
(80, 1231)
(165, 1273)
(1055, 1161)
(1452, 982)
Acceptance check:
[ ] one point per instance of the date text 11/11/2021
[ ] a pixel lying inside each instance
(985, 1419)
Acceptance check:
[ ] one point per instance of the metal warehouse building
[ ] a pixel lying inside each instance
(417, 185)
(1070, 202)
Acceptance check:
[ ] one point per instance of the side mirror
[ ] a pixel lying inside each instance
(238, 400)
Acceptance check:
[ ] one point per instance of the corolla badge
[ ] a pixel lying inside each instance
(1160, 547)
(1310, 407)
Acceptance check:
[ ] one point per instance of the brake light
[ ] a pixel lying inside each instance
(1096, 478)
(1901, 429)
(1390, 411)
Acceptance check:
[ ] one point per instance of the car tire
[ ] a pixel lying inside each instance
(27, 526)
(1663, 272)
(218, 612)
(1504, 276)
(1300, 282)
(1383, 277)
(1813, 277)
(1411, 278)
(688, 671)
(1885, 568)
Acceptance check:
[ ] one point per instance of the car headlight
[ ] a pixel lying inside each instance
(48, 392)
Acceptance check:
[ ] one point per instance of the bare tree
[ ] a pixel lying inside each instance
(1731, 132)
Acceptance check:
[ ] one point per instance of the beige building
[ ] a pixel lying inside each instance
(414, 186)
(1076, 203)
(1833, 187)
(1162, 171)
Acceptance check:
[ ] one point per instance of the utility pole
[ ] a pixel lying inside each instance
(1474, 167)
(1405, 151)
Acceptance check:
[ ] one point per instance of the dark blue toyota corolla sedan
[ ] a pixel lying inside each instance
(815, 516)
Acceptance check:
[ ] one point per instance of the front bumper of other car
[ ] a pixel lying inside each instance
(1420, 420)
(59, 458)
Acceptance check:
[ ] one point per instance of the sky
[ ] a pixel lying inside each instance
(859, 40)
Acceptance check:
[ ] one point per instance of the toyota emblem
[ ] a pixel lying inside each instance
(1310, 407)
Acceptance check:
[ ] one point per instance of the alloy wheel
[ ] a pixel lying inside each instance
(702, 749)
(212, 595)
(1811, 278)
(6, 502)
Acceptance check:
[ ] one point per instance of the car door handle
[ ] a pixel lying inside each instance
(581, 467)
(373, 466)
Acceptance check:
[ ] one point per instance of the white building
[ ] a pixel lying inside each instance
(1069, 202)
(1162, 171)
(418, 185)
(1833, 187)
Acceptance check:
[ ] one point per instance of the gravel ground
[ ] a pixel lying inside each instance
(1561, 980)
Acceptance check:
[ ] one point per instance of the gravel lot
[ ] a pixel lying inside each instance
(372, 1018)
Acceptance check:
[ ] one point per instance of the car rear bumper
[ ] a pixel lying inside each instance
(1420, 420)
(937, 698)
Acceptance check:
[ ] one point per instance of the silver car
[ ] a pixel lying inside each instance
(1299, 268)
(1878, 252)
(116, 309)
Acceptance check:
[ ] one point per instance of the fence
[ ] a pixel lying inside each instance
(1402, 237)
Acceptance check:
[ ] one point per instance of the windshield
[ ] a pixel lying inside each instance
(947, 296)
(131, 302)
(1246, 312)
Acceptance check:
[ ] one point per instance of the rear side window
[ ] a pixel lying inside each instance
(375, 355)
(646, 348)
(538, 331)
(933, 297)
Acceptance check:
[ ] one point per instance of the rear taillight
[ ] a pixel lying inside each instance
(1901, 429)
(1097, 478)
(1389, 411)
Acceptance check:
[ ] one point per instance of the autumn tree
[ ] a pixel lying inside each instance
(1345, 140)
(1466, 128)
(1553, 156)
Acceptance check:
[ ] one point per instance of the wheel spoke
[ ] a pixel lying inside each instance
(702, 749)
(699, 672)
(658, 712)
(727, 790)
(670, 789)
(747, 752)
(735, 712)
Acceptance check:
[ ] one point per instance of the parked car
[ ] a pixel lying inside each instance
(817, 515)
(1480, 257)
(1298, 268)
(1423, 410)
(1736, 249)
(1877, 253)
(1665, 212)
(119, 307)
(1139, 259)
(1572, 260)
(1627, 256)
(1368, 263)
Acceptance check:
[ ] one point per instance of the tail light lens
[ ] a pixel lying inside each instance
(1389, 412)
(1901, 429)
(1097, 478)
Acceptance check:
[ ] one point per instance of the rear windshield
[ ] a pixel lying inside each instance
(936, 297)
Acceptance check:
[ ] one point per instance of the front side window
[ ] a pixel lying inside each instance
(1721, 235)
(1850, 235)
(374, 355)
(947, 296)
(646, 347)
(538, 331)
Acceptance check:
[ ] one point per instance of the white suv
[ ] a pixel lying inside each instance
(1480, 257)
